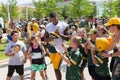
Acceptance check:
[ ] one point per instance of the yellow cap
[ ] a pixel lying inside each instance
(102, 44)
(92, 31)
(112, 21)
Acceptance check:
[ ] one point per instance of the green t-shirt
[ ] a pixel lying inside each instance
(86, 25)
(102, 69)
(90, 62)
(74, 72)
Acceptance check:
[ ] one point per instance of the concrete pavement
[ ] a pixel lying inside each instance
(50, 71)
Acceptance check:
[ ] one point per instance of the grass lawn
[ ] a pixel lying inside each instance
(2, 49)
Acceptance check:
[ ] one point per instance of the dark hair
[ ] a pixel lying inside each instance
(32, 38)
(118, 26)
(13, 32)
(26, 24)
(53, 15)
(91, 17)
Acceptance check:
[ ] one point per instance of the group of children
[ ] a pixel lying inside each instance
(80, 52)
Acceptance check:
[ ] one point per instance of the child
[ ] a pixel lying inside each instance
(73, 60)
(36, 55)
(16, 50)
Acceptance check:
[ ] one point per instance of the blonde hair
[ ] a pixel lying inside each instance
(76, 40)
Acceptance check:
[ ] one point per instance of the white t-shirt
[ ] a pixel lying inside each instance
(52, 28)
(19, 56)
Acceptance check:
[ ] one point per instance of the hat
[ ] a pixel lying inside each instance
(102, 44)
(73, 27)
(42, 26)
(112, 21)
(91, 17)
(33, 19)
(92, 31)
(53, 15)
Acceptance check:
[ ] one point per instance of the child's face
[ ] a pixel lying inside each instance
(80, 33)
(73, 44)
(92, 36)
(35, 41)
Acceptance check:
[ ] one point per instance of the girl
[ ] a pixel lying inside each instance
(73, 60)
(36, 56)
(114, 26)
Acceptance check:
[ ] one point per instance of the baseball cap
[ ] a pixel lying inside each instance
(92, 31)
(53, 15)
(33, 19)
(113, 21)
(42, 26)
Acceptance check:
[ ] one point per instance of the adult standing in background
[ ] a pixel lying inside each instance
(87, 24)
(35, 26)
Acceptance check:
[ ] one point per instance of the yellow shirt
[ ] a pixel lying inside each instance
(35, 28)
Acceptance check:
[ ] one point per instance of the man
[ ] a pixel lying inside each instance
(35, 26)
(87, 24)
(16, 51)
(61, 29)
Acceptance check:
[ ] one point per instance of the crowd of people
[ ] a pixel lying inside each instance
(85, 47)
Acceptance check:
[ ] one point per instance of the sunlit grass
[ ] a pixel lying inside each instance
(2, 49)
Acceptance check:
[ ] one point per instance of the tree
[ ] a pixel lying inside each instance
(109, 8)
(118, 8)
(79, 8)
(39, 8)
(46, 7)
(13, 8)
(3, 11)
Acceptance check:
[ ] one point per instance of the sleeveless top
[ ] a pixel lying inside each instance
(37, 57)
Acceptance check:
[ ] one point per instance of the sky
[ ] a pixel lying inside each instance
(29, 1)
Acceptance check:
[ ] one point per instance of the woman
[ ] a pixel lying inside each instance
(114, 26)
(102, 31)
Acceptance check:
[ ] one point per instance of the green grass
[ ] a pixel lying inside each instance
(2, 49)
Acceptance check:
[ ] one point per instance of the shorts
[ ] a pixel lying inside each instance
(19, 69)
(56, 60)
(37, 67)
(91, 70)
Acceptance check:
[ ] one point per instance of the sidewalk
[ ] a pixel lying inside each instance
(50, 71)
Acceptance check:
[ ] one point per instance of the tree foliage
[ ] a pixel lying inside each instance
(111, 8)
(13, 9)
(3, 11)
(79, 8)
